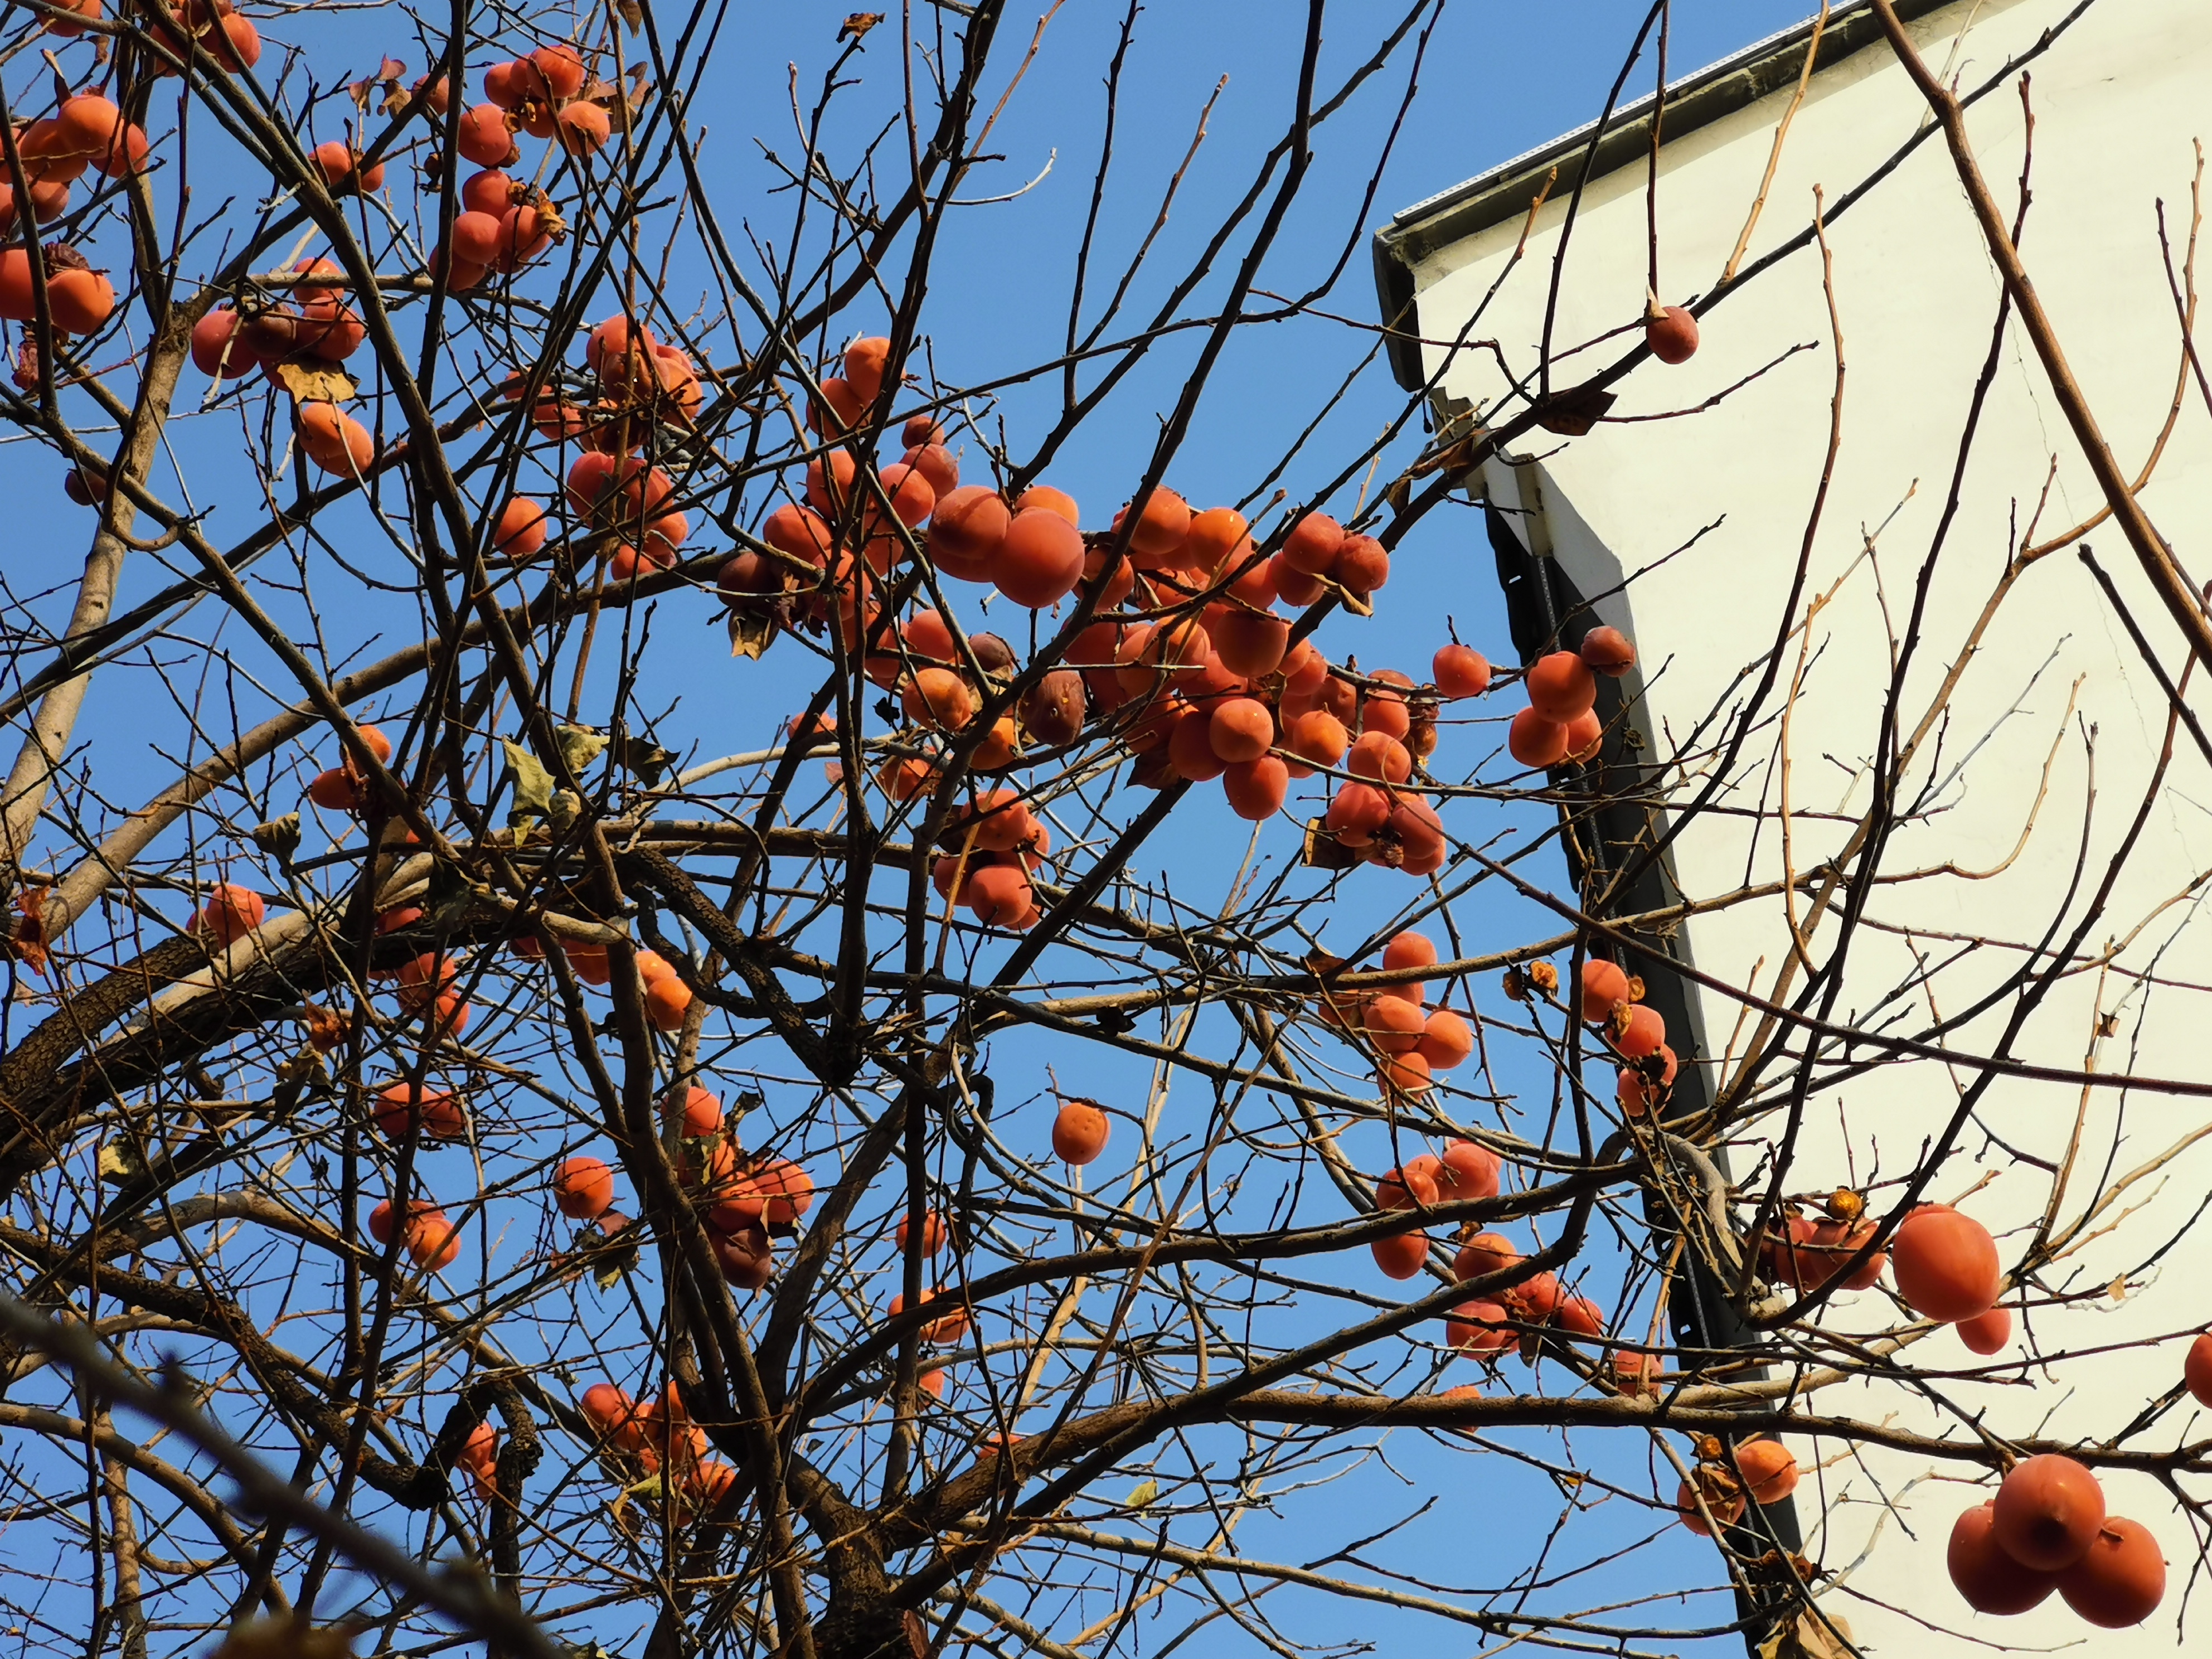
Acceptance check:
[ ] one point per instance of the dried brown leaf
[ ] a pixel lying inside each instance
(310, 380)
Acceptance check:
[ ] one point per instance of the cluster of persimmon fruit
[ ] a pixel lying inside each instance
(1519, 1316)
(1408, 1041)
(1561, 723)
(624, 505)
(1187, 662)
(86, 132)
(2047, 1529)
(501, 222)
(641, 1439)
(1728, 1478)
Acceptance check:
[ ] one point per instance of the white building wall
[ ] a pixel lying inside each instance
(2117, 103)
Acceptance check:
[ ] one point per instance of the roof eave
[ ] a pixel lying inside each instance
(1507, 191)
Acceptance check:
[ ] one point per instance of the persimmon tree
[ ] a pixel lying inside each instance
(512, 1143)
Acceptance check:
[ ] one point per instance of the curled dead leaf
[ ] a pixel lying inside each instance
(314, 381)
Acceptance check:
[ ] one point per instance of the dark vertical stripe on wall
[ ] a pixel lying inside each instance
(1547, 613)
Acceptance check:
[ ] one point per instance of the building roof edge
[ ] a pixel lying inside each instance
(1506, 191)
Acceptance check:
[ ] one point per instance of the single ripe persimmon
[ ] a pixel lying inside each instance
(1446, 1041)
(1294, 587)
(1160, 528)
(1377, 755)
(584, 1187)
(341, 167)
(1040, 560)
(781, 1190)
(1988, 1578)
(1987, 1333)
(1578, 1316)
(609, 1408)
(1638, 1031)
(1053, 710)
(335, 790)
(1604, 988)
(1768, 1468)
(1409, 949)
(800, 532)
(745, 1255)
(66, 27)
(423, 979)
(1079, 1131)
(479, 1456)
(966, 529)
(430, 1239)
(1356, 811)
(1535, 1298)
(1946, 1266)
(2197, 1369)
(829, 482)
(1401, 1255)
(2048, 1509)
(1043, 498)
(935, 1232)
(216, 347)
(1637, 1093)
(1411, 1184)
(1484, 1255)
(997, 894)
(934, 462)
(1404, 1073)
(920, 430)
(230, 914)
(1465, 1172)
(1394, 1025)
(667, 1003)
(333, 439)
(1384, 712)
(504, 83)
(560, 69)
(1727, 1511)
(521, 531)
(1608, 651)
(485, 139)
(1636, 1374)
(909, 492)
(1190, 747)
(1211, 537)
(1256, 788)
(1478, 1328)
(1312, 545)
(866, 362)
(1560, 686)
(1251, 642)
(1585, 737)
(1362, 565)
(1671, 332)
(1534, 741)
(699, 1114)
(2121, 1579)
(1241, 729)
(582, 128)
(941, 1332)
(939, 697)
(1317, 736)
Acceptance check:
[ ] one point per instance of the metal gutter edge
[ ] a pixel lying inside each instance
(1505, 190)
